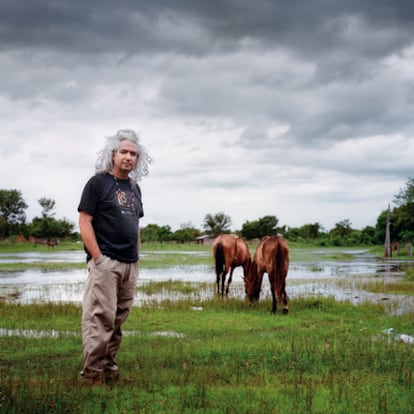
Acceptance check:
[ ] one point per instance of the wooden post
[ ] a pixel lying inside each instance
(410, 249)
(387, 244)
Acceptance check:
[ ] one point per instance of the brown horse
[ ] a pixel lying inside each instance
(272, 257)
(229, 252)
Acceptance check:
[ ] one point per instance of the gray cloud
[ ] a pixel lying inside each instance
(373, 28)
(299, 97)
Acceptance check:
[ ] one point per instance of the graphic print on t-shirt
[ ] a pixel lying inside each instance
(126, 201)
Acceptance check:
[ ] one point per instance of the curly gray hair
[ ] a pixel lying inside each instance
(104, 162)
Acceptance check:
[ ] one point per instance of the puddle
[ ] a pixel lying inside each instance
(52, 333)
(33, 333)
(31, 257)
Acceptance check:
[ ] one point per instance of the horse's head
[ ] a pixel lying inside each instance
(252, 284)
(246, 267)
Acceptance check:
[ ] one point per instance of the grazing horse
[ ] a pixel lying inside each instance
(229, 252)
(272, 257)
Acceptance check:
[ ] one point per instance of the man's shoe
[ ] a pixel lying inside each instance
(89, 379)
(93, 381)
(111, 377)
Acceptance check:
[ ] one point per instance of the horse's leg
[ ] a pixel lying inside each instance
(229, 280)
(221, 276)
(284, 298)
(223, 280)
(272, 290)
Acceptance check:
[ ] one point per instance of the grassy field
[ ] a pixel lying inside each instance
(213, 357)
(185, 355)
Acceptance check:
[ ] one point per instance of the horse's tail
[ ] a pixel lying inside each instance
(253, 269)
(219, 256)
(254, 281)
(282, 261)
(248, 265)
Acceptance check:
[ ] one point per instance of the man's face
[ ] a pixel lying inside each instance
(125, 158)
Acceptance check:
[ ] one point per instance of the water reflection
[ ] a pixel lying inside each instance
(32, 257)
(338, 278)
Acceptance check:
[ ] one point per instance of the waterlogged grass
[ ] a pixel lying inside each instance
(164, 259)
(9, 246)
(404, 286)
(19, 267)
(391, 288)
(409, 274)
(300, 254)
(172, 286)
(215, 356)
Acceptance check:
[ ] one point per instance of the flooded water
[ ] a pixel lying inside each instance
(341, 279)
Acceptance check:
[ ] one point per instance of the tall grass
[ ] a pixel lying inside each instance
(215, 356)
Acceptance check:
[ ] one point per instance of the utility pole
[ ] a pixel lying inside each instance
(387, 245)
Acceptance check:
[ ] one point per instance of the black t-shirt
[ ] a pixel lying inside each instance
(116, 208)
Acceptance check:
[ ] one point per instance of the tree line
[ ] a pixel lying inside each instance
(13, 219)
(13, 222)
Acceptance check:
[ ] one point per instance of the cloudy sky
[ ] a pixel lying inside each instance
(299, 109)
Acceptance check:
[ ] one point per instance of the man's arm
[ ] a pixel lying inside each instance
(88, 235)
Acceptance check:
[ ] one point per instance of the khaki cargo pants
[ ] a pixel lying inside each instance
(108, 297)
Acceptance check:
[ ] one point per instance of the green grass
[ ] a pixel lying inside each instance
(392, 288)
(8, 246)
(18, 267)
(405, 286)
(409, 274)
(215, 356)
(151, 259)
(172, 286)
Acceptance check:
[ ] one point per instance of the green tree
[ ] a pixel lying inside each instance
(406, 194)
(186, 233)
(149, 233)
(250, 230)
(165, 233)
(310, 231)
(401, 217)
(380, 226)
(50, 228)
(47, 227)
(12, 211)
(264, 226)
(12, 206)
(216, 224)
(155, 233)
(368, 235)
(48, 206)
(268, 225)
(340, 233)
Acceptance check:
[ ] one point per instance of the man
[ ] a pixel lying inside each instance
(109, 213)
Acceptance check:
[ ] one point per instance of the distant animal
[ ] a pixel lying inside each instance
(229, 252)
(271, 257)
(38, 240)
(52, 242)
